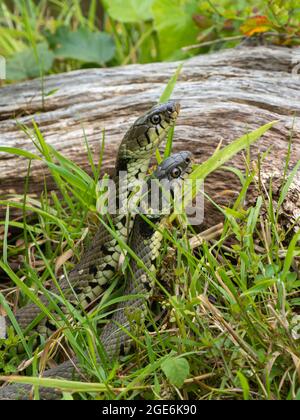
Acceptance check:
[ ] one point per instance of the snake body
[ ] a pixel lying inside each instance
(145, 242)
(99, 263)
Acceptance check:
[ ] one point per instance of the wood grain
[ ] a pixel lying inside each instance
(223, 95)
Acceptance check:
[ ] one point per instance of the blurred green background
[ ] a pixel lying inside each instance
(46, 37)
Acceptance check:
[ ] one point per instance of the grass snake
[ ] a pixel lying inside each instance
(100, 261)
(145, 241)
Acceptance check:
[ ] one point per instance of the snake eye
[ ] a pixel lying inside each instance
(176, 172)
(155, 119)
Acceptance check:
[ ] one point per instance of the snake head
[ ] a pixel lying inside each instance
(176, 167)
(165, 188)
(148, 132)
(159, 115)
(172, 172)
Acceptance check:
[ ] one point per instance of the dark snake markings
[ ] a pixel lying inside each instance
(134, 157)
(116, 340)
(145, 241)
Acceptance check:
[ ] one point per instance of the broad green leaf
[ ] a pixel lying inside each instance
(26, 64)
(178, 29)
(129, 10)
(176, 369)
(84, 45)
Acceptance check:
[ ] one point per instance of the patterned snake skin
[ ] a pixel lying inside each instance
(99, 263)
(145, 242)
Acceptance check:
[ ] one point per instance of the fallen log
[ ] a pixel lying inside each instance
(223, 95)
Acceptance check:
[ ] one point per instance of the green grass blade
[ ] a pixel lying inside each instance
(68, 164)
(15, 324)
(5, 243)
(227, 152)
(290, 255)
(19, 152)
(74, 386)
(169, 143)
(25, 289)
(166, 95)
(69, 176)
(288, 183)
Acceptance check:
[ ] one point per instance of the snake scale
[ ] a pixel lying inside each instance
(99, 263)
(145, 241)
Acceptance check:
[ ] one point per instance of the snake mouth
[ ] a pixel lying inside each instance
(177, 107)
(174, 110)
(193, 162)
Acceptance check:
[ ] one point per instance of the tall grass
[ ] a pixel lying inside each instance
(229, 303)
(223, 319)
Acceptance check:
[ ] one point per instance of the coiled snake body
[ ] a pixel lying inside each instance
(145, 241)
(99, 263)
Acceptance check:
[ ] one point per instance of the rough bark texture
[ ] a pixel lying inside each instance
(223, 95)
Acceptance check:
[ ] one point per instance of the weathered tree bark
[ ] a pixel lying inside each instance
(223, 95)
